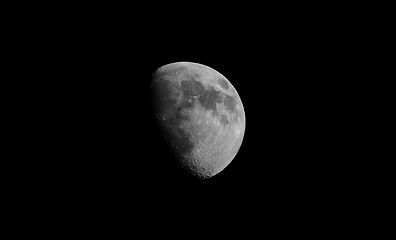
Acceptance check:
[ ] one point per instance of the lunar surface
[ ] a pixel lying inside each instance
(201, 115)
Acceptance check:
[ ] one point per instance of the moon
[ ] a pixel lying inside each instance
(200, 114)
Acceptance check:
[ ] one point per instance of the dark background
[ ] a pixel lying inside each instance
(101, 151)
(290, 153)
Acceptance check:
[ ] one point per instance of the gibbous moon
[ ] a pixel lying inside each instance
(201, 115)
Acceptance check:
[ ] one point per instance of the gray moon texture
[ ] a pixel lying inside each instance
(200, 114)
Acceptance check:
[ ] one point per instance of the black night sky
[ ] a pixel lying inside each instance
(285, 86)
(106, 151)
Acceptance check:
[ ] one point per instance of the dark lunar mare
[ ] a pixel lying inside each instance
(223, 83)
(191, 88)
(208, 98)
(230, 103)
